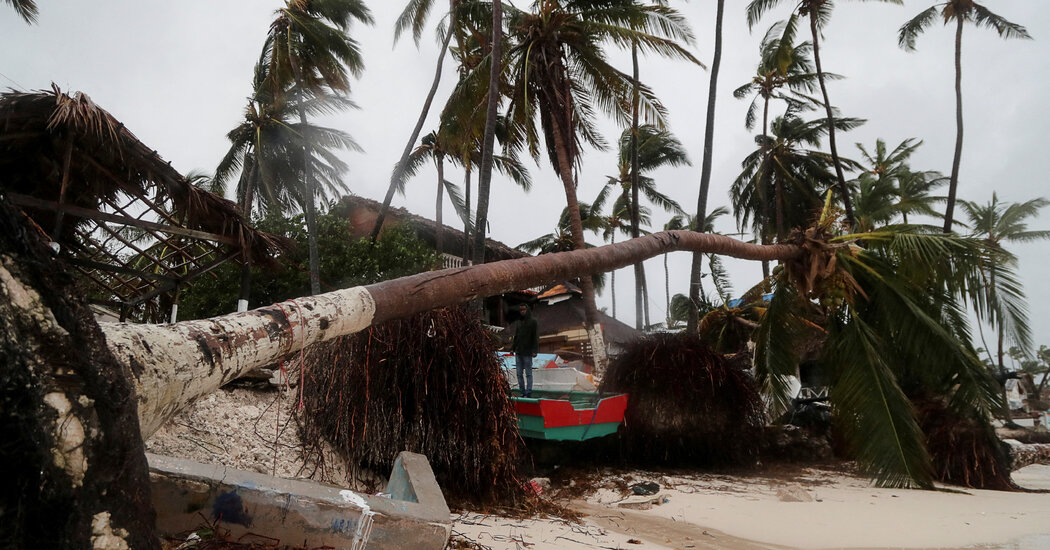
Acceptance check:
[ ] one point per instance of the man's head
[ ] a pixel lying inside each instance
(523, 309)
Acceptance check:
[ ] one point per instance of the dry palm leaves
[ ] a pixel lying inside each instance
(964, 451)
(816, 273)
(688, 405)
(429, 384)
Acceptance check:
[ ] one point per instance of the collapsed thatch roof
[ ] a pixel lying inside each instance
(78, 173)
(362, 213)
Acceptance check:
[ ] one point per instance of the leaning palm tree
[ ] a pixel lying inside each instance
(819, 13)
(310, 53)
(562, 75)
(642, 151)
(26, 9)
(959, 11)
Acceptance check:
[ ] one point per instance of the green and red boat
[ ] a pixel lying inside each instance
(568, 416)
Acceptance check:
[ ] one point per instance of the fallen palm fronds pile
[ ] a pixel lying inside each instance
(964, 451)
(687, 406)
(429, 384)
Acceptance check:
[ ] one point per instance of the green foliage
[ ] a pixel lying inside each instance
(344, 263)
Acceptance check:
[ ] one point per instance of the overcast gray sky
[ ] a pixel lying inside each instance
(178, 75)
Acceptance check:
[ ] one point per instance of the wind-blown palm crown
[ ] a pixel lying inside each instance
(781, 182)
(959, 11)
(888, 187)
(785, 72)
(819, 14)
(894, 325)
(26, 9)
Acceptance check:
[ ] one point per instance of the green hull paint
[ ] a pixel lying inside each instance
(565, 433)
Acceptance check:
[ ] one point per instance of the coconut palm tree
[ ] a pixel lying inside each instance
(310, 52)
(26, 9)
(998, 223)
(561, 76)
(432, 148)
(888, 188)
(785, 72)
(643, 150)
(781, 183)
(894, 324)
(961, 12)
(415, 16)
(819, 13)
(261, 147)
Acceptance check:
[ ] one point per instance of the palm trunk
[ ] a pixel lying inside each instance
(489, 137)
(667, 292)
(639, 274)
(765, 117)
(705, 170)
(953, 182)
(847, 203)
(466, 223)
(399, 169)
(645, 293)
(439, 235)
(778, 191)
(246, 266)
(190, 359)
(590, 309)
(311, 211)
(612, 282)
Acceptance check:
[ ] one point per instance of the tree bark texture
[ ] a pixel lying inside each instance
(176, 364)
(705, 170)
(439, 237)
(399, 168)
(953, 182)
(847, 203)
(310, 207)
(74, 473)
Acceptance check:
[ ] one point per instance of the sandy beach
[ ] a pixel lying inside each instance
(803, 508)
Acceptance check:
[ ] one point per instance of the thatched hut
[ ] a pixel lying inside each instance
(135, 229)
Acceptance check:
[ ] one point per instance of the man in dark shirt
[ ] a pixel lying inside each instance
(525, 346)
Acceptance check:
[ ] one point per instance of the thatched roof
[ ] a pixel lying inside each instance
(108, 200)
(356, 207)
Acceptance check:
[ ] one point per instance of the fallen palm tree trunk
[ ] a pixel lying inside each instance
(176, 364)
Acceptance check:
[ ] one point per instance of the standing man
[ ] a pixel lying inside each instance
(525, 346)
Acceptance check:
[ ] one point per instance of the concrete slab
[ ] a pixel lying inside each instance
(187, 494)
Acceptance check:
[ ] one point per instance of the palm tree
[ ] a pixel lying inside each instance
(643, 150)
(432, 147)
(998, 223)
(894, 324)
(619, 221)
(488, 139)
(960, 11)
(415, 16)
(888, 187)
(705, 167)
(819, 13)
(26, 9)
(785, 72)
(310, 52)
(781, 183)
(561, 239)
(561, 75)
(260, 148)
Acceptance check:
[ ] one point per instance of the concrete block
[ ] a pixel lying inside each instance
(186, 494)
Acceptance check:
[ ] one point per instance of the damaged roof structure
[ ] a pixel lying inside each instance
(133, 227)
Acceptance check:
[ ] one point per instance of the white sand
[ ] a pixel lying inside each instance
(740, 513)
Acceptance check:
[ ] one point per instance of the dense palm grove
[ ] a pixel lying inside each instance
(882, 288)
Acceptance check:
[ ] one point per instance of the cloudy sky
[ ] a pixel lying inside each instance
(178, 75)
